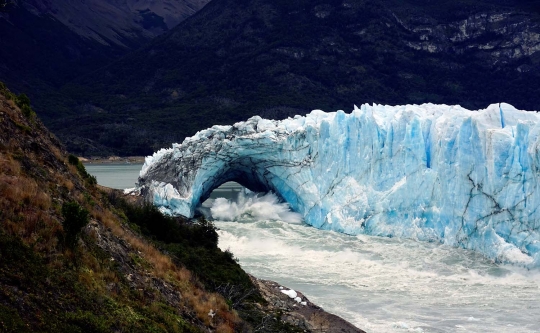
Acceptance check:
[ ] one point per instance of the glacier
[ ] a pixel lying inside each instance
(428, 172)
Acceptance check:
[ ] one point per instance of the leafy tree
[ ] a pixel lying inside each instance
(75, 218)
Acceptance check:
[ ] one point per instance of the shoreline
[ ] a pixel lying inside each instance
(112, 160)
(301, 313)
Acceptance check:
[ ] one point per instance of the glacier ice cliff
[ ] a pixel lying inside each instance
(430, 172)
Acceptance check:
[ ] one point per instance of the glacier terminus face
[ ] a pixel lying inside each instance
(430, 172)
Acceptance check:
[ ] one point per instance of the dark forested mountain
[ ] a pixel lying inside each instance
(45, 43)
(276, 58)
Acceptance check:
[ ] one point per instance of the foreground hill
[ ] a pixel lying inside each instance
(235, 59)
(75, 257)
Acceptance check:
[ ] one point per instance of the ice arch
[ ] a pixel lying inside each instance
(432, 172)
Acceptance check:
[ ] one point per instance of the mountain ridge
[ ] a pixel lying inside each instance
(233, 60)
(45, 44)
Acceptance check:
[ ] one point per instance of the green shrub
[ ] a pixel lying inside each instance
(75, 218)
(10, 321)
(193, 244)
(74, 160)
(27, 111)
(5, 91)
(22, 100)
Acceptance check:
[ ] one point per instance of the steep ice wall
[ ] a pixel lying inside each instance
(431, 172)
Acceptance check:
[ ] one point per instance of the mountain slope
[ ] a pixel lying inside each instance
(70, 261)
(235, 59)
(75, 257)
(44, 44)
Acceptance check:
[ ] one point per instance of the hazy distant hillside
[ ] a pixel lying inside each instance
(235, 59)
(45, 43)
(116, 21)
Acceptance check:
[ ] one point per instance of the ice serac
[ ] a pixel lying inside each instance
(430, 172)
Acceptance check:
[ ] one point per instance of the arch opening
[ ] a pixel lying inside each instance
(248, 178)
(233, 201)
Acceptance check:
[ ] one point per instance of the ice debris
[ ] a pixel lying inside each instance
(291, 293)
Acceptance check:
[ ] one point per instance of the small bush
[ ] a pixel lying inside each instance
(23, 102)
(193, 244)
(75, 218)
(5, 91)
(74, 160)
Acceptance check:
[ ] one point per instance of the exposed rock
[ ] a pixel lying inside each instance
(304, 314)
(498, 37)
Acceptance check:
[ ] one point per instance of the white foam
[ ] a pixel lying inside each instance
(376, 282)
(250, 205)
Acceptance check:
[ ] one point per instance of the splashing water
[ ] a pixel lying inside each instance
(250, 206)
(385, 284)
(379, 284)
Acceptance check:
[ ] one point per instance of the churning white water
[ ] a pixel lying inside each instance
(250, 206)
(378, 284)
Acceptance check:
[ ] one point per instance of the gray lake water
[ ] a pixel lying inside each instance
(115, 175)
(125, 175)
(379, 284)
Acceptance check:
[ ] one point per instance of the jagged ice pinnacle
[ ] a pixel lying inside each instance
(431, 172)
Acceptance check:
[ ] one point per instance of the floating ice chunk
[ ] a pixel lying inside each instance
(401, 325)
(291, 293)
(131, 191)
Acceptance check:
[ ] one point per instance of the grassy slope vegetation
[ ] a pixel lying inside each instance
(76, 258)
(236, 59)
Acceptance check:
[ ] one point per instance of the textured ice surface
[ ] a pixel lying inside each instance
(431, 172)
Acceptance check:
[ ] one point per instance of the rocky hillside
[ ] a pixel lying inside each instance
(75, 257)
(45, 43)
(70, 262)
(235, 59)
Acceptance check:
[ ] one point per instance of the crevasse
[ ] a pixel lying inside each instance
(430, 172)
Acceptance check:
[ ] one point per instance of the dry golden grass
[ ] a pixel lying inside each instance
(27, 210)
(68, 184)
(12, 103)
(224, 328)
(57, 153)
(163, 267)
(25, 207)
(22, 191)
(9, 166)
